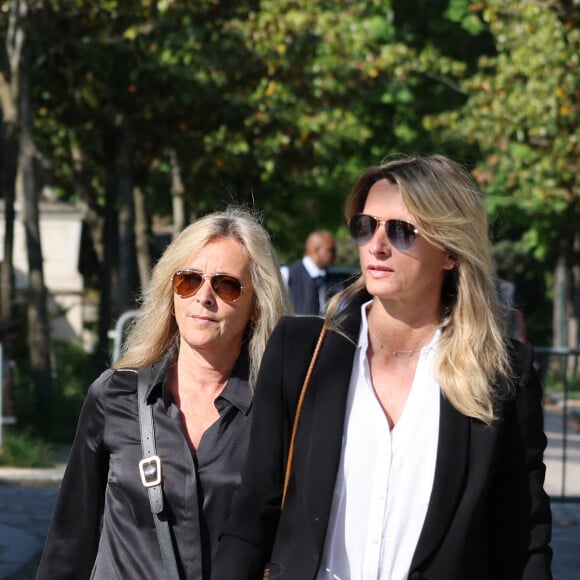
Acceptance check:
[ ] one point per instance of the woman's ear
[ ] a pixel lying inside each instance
(451, 262)
(254, 318)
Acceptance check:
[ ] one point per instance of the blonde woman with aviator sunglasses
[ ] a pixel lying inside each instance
(214, 297)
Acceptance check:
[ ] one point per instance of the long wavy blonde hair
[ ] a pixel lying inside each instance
(447, 207)
(155, 330)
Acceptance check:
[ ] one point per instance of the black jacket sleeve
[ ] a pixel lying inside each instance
(521, 508)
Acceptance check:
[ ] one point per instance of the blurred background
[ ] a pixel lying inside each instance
(123, 121)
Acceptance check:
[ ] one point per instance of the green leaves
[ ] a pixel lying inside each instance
(523, 113)
(284, 101)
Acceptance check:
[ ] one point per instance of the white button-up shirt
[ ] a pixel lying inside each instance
(385, 477)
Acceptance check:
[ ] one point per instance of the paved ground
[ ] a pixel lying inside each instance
(26, 511)
(562, 458)
(562, 477)
(27, 499)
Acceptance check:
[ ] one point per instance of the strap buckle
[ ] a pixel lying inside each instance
(150, 471)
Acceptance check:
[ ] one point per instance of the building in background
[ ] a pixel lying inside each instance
(60, 235)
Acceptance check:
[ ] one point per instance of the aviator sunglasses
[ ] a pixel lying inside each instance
(187, 283)
(401, 234)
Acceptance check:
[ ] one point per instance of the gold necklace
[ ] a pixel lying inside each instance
(407, 353)
(396, 353)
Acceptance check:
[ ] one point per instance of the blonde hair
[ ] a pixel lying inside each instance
(448, 209)
(155, 329)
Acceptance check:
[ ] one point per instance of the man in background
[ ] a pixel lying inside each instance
(511, 309)
(307, 279)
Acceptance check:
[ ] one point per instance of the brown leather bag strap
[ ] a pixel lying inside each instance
(299, 410)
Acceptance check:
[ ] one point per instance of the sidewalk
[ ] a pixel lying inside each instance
(27, 498)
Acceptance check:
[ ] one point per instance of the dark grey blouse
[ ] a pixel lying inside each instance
(102, 525)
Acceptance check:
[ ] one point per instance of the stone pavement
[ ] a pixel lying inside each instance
(26, 510)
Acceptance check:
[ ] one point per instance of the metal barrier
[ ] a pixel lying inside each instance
(560, 365)
(118, 334)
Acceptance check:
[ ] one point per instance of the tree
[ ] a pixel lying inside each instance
(523, 113)
(186, 106)
(38, 325)
(18, 132)
(9, 98)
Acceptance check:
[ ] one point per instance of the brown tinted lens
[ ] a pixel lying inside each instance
(226, 287)
(186, 283)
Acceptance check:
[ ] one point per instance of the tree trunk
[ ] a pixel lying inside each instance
(38, 324)
(9, 134)
(566, 301)
(559, 313)
(126, 219)
(86, 203)
(9, 144)
(142, 246)
(108, 279)
(177, 191)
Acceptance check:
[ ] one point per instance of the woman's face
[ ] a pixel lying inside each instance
(414, 275)
(205, 320)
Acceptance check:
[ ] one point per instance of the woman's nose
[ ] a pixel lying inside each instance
(379, 243)
(205, 294)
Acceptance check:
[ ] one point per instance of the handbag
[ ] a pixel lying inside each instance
(296, 421)
(151, 476)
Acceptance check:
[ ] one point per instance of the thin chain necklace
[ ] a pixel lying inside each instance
(397, 353)
(407, 353)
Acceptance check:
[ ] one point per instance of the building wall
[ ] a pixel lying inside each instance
(60, 238)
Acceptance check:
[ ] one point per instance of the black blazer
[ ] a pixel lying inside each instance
(488, 517)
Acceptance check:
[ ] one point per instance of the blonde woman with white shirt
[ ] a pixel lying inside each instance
(419, 450)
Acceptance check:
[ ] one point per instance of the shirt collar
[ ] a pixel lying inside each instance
(237, 391)
(363, 337)
(312, 268)
(160, 369)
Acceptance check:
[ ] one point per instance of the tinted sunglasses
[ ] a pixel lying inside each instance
(187, 283)
(401, 234)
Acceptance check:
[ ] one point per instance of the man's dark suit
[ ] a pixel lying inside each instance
(488, 517)
(303, 290)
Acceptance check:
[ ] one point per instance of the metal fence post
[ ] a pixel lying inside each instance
(1, 392)
(118, 333)
(545, 354)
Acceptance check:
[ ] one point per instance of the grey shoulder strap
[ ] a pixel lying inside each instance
(151, 476)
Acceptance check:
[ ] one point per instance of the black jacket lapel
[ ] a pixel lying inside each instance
(322, 443)
(450, 474)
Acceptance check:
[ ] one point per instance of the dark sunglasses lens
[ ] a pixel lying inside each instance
(401, 234)
(362, 227)
(186, 283)
(227, 288)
